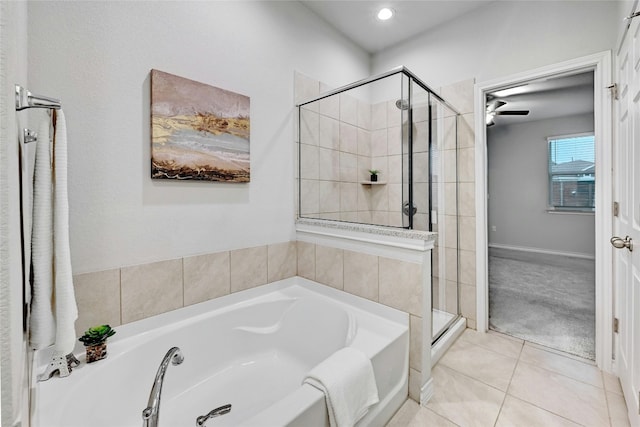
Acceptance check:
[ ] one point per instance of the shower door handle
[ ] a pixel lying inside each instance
(620, 243)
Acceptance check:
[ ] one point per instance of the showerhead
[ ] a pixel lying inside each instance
(402, 104)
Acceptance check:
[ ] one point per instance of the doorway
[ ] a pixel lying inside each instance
(600, 67)
(541, 206)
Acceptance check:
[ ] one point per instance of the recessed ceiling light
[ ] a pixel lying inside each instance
(385, 13)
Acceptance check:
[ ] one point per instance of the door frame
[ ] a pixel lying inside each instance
(601, 64)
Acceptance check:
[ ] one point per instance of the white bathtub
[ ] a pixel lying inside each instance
(251, 349)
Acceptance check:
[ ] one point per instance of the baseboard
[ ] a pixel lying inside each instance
(426, 392)
(542, 251)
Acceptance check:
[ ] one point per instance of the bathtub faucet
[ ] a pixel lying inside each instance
(151, 413)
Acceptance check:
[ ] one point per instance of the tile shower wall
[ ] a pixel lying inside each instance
(391, 282)
(337, 150)
(460, 95)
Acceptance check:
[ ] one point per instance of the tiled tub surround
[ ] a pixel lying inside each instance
(251, 349)
(124, 295)
(132, 293)
(386, 265)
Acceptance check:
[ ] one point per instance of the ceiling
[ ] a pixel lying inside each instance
(548, 98)
(357, 19)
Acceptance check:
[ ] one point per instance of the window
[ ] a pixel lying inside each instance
(572, 175)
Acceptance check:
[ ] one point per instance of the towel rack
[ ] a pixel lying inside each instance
(26, 99)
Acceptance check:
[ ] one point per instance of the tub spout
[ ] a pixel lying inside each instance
(151, 413)
(214, 413)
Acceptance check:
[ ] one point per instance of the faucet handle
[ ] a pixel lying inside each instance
(225, 409)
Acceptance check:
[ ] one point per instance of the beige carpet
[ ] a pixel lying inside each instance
(545, 299)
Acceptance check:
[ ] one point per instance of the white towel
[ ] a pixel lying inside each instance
(42, 322)
(65, 299)
(347, 380)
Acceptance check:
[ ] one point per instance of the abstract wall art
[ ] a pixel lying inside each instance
(198, 132)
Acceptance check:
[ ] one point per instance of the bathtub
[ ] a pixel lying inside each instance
(250, 349)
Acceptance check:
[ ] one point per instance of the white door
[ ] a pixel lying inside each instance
(627, 223)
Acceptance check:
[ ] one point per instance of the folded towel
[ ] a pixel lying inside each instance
(66, 308)
(347, 380)
(42, 323)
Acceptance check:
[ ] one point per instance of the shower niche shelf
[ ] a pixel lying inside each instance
(373, 182)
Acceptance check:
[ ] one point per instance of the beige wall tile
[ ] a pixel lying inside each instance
(206, 277)
(415, 384)
(451, 166)
(379, 198)
(365, 217)
(361, 275)
(401, 285)
(450, 195)
(364, 115)
(329, 196)
(466, 165)
(379, 142)
(248, 268)
(467, 198)
(330, 266)
(394, 140)
(329, 133)
(329, 106)
(468, 267)
(309, 161)
(306, 260)
(460, 95)
(348, 167)
(305, 88)
(364, 198)
(468, 301)
(421, 167)
(467, 233)
(420, 137)
(310, 197)
(348, 197)
(415, 342)
(98, 299)
(348, 138)
(349, 216)
(309, 127)
(394, 170)
(348, 109)
(364, 142)
(394, 115)
(466, 133)
(329, 164)
(380, 218)
(395, 197)
(379, 116)
(150, 289)
(281, 261)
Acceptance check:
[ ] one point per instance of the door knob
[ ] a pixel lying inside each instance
(620, 243)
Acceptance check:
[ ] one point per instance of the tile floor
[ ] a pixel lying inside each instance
(492, 379)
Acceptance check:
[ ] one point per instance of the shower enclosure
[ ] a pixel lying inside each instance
(395, 125)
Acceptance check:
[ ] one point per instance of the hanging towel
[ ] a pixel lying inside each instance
(66, 310)
(42, 321)
(347, 380)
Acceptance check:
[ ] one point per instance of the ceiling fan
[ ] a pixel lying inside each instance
(492, 111)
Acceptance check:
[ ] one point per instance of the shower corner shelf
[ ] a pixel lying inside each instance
(373, 182)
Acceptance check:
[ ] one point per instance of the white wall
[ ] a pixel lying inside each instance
(96, 57)
(518, 188)
(13, 69)
(505, 37)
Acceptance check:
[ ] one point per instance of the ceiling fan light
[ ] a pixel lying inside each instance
(385, 14)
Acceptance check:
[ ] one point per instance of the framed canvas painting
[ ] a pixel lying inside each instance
(198, 132)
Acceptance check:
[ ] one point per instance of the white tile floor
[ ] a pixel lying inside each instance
(492, 379)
